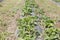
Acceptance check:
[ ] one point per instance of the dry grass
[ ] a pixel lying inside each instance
(9, 12)
(8, 9)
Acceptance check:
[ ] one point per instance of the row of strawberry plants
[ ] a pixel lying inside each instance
(27, 24)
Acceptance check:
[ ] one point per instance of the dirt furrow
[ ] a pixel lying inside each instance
(12, 27)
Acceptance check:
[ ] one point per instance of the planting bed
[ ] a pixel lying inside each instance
(29, 29)
(30, 24)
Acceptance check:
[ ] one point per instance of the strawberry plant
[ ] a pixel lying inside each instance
(52, 34)
(27, 28)
(28, 8)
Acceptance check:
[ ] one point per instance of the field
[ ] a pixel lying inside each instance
(52, 10)
(15, 15)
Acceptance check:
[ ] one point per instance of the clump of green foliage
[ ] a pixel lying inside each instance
(27, 28)
(50, 33)
(29, 5)
(3, 35)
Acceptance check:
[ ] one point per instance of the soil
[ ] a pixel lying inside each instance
(12, 27)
